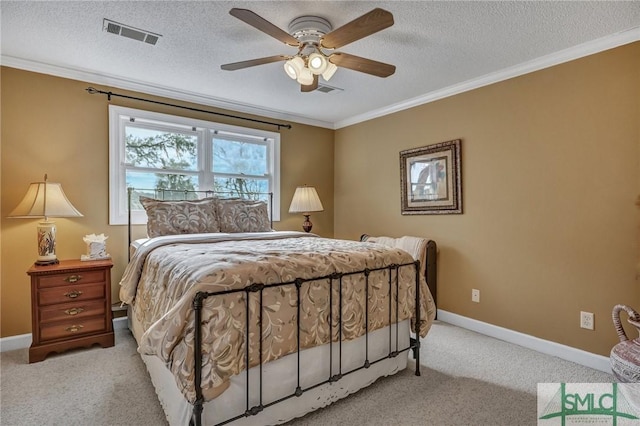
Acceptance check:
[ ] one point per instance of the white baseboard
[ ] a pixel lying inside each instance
(23, 341)
(588, 359)
(12, 343)
(578, 356)
(120, 323)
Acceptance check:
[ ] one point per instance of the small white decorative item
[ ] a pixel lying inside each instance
(96, 247)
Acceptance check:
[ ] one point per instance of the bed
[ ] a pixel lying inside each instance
(314, 319)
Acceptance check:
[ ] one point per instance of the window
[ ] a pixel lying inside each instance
(149, 151)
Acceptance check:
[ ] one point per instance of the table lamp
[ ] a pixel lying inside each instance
(45, 199)
(305, 200)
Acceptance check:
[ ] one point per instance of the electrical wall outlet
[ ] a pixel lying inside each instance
(586, 320)
(475, 295)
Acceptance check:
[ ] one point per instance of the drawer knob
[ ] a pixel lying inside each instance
(74, 311)
(73, 278)
(73, 294)
(74, 328)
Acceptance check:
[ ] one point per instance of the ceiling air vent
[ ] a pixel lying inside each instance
(324, 88)
(130, 32)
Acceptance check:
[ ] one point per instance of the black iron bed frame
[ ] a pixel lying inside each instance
(394, 351)
(258, 288)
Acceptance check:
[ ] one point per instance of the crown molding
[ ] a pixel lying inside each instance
(143, 87)
(566, 55)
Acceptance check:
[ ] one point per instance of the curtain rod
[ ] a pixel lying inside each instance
(94, 91)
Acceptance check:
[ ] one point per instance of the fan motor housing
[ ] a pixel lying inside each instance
(309, 29)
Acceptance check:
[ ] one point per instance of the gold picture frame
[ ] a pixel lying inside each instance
(430, 179)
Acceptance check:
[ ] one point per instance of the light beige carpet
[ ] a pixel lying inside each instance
(467, 379)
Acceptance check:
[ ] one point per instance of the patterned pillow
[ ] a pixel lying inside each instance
(243, 216)
(180, 217)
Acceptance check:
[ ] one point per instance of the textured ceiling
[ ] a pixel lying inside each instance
(439, 48)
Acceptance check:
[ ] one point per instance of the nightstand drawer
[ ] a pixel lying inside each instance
(80, 277)
(71, 293)
(72, 328)
(70, 311)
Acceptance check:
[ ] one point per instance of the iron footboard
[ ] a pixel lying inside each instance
(333, 376)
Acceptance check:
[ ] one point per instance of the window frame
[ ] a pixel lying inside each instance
(205, 131)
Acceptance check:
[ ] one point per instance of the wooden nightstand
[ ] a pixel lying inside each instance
(70, 306)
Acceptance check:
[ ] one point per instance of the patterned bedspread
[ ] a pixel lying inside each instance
(166, 272)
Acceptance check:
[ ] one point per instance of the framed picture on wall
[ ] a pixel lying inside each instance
(430, 179)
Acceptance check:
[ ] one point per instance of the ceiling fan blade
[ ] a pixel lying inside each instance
(369, 23)
(310, 87)
(356, 63)
(263, 25)
(253, 62)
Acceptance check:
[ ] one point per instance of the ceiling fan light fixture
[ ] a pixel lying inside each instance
(293, 67)
(305, 77)
(311, 35)
(317, 63)
(329, 71)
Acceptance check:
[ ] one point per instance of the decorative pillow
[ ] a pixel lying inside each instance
(180, 217)
(236, 215)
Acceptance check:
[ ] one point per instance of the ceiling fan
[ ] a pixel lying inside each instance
(316, 42)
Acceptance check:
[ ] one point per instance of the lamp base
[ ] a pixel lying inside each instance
(46, 262)
(307, 225)
(46, 243)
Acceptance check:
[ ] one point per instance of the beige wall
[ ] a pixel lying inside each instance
(550, 165)
(550, 176)
(51, 125)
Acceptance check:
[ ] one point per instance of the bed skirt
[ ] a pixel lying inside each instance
(280, 379)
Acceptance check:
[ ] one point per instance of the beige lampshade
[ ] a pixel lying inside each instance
(305, 200)
(45, 199)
